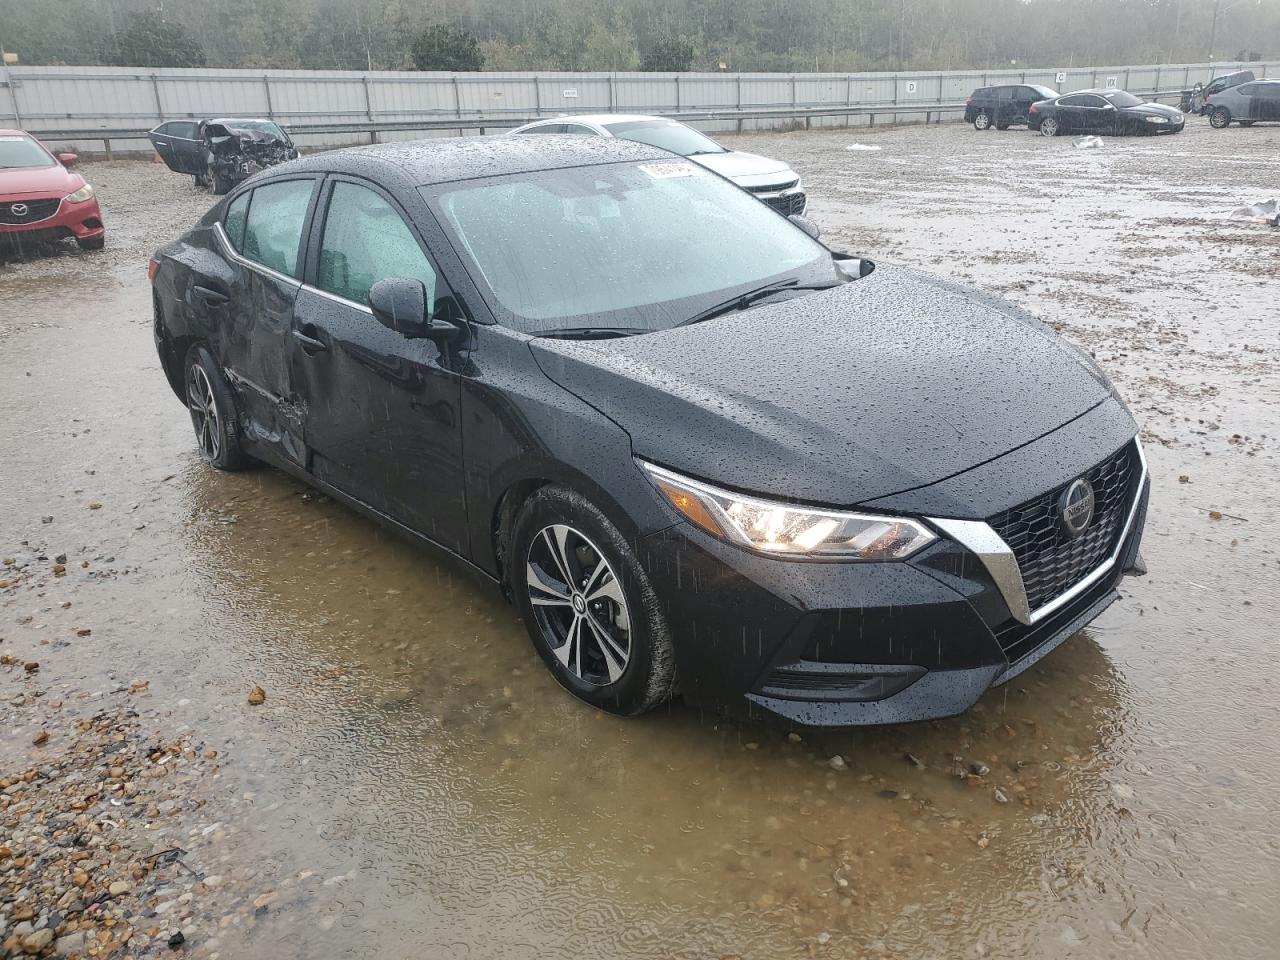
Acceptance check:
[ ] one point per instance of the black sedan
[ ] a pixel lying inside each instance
(700, 453)
(1112, 112)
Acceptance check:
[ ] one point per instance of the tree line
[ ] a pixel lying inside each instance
(623, 35)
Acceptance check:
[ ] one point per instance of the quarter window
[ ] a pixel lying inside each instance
(366, 240)
(233, 222)
(273, 231)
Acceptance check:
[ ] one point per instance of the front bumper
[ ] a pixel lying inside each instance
(81, 221)
(847, 644)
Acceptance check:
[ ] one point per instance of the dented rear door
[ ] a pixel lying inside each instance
(258, 313)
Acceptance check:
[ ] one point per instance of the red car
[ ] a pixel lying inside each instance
(40, 199)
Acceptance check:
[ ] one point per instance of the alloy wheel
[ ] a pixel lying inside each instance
(579, 605)
(981, 122)
(1049, 127)
(1220, 118)
(204, 412)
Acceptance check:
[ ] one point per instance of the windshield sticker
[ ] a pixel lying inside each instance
(668, 171)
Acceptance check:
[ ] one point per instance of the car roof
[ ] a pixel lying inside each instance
(15, 133)
(601, 118)
(446, 159)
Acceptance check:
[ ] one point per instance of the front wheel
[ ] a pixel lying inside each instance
(1049, 127)
(1220, 119)
(588, 605)
(982, 121)
(213, 411)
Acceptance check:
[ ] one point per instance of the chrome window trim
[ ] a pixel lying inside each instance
(241, 259)
(982, 540)
(337, 299)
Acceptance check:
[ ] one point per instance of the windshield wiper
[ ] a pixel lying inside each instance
(591, 333)
(744, 300)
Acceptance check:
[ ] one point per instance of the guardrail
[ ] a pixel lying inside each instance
(933, 112)
(485, 123)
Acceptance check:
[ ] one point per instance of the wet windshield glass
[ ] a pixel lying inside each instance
(1122, 99)
(22, 152)
(639, 246)
(667, 134)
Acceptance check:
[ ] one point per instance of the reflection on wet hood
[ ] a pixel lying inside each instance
(881, 385)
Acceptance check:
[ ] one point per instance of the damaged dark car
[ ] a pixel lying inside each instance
(221, 153)
(701, 453)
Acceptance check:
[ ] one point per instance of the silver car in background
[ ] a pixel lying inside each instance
(772, 181)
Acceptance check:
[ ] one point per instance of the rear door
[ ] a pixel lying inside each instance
(263, 232)
(382, 419)
(1006, 108)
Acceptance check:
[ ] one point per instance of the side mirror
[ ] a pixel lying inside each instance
(400, 304)
(805, 224)
(68, 159)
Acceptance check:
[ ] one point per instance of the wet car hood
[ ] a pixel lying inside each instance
(1156, 110)
(39, 180)
(882, 385)
(735, 163)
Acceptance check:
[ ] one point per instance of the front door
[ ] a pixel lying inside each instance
(179, 146)
(381, 410)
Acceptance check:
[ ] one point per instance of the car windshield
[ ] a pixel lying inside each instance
(17, 152)
(1122, 99)
(667, 134)
(634, 246)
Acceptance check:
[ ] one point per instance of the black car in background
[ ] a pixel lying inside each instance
(221, 153)
(1113, 112)
(1003, 106)
(701, 453)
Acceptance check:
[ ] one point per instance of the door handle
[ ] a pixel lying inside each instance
(213, 298)
(310, 345)
(162, 143)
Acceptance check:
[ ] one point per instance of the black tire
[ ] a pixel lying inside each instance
(93, 243)
(1049, 127)
(557, 526)
(1220, 118)
(982, 121)
(205, 388)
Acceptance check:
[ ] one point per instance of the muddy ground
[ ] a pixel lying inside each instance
(415, 786)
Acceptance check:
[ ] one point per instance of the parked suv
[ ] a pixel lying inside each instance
(1196, 100)
(1002, 107)
(1246, 104)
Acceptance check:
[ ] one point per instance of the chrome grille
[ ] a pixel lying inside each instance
(32, 210)
(792, 203)
(1051, 561)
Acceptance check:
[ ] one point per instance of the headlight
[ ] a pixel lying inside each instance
(1157, 119)
(781, 529)
(81, 195)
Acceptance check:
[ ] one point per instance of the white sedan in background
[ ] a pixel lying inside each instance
(771, 180)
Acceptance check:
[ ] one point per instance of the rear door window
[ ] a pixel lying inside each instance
(1004, 93)
(546, 128)
(273, 229)
(366, 240)
(233, 222)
